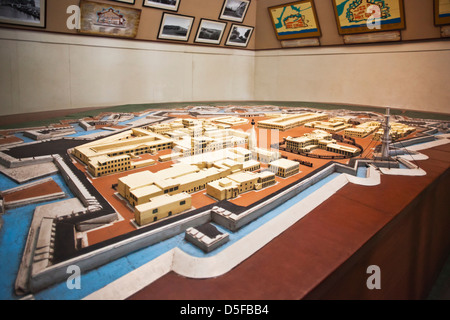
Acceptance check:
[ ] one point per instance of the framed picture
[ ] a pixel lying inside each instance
(171, 5)
(125, 1)
(234, 10)
(295, 20)
(239, 36)
(175, 27)
(30, 13)
(108, 20)
(210, 31)
(363, 16)
(441, 12)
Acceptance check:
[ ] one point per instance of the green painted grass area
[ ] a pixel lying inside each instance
(291, 104)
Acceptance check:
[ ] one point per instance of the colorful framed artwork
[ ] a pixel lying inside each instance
(30, 13)
(210, 32)
(234, 10)
(175, 27)
(364, 16)
(108, 20)
(239, 36)
(171, 5)
(295, 20)
(125, 1)
(441, 12)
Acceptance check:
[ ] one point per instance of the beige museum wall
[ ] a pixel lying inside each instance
(47, 71)
(53, 69)
(410, 76)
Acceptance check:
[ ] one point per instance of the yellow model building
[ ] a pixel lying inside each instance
(309, 141)
(333, 125)
(397, 131)
(161, 207)
(120, 152)
(265, 155)
(238, 183)
(319, 139)
(139, 188)
(284, 167)
(362, 130)
(166, 127)
(288, 121)
(230, 120)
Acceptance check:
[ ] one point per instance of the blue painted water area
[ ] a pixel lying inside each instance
(362, 172)
(85, 133)
(298, 32)
(13, 235)
(25, 139)
(77, 127)
(122, 123)
(402, 166)
(96, 279)
(7, 183)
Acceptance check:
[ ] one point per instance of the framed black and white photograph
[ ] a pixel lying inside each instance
(210, 31)
(175, 27)
(171, 5)
(239, 36)
(30, 13)
(125, 1)
(234, 10)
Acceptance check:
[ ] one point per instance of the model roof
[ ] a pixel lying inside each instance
(283, 163)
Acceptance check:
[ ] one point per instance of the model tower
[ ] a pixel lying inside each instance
(386, 139)
(252, 141)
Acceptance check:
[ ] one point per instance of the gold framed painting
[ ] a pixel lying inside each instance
(295, 20)
(364, 16)
(441, 12)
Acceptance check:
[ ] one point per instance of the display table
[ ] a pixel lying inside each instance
(402, 226)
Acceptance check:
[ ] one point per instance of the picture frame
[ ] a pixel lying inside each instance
(126, 1)
(32, 15)
(175, 27)
(441, 12)
(234, 10)
(210, 31)
(356, 16)
(170, 5)
(104, 19)
(239, 35)
(295, 20)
